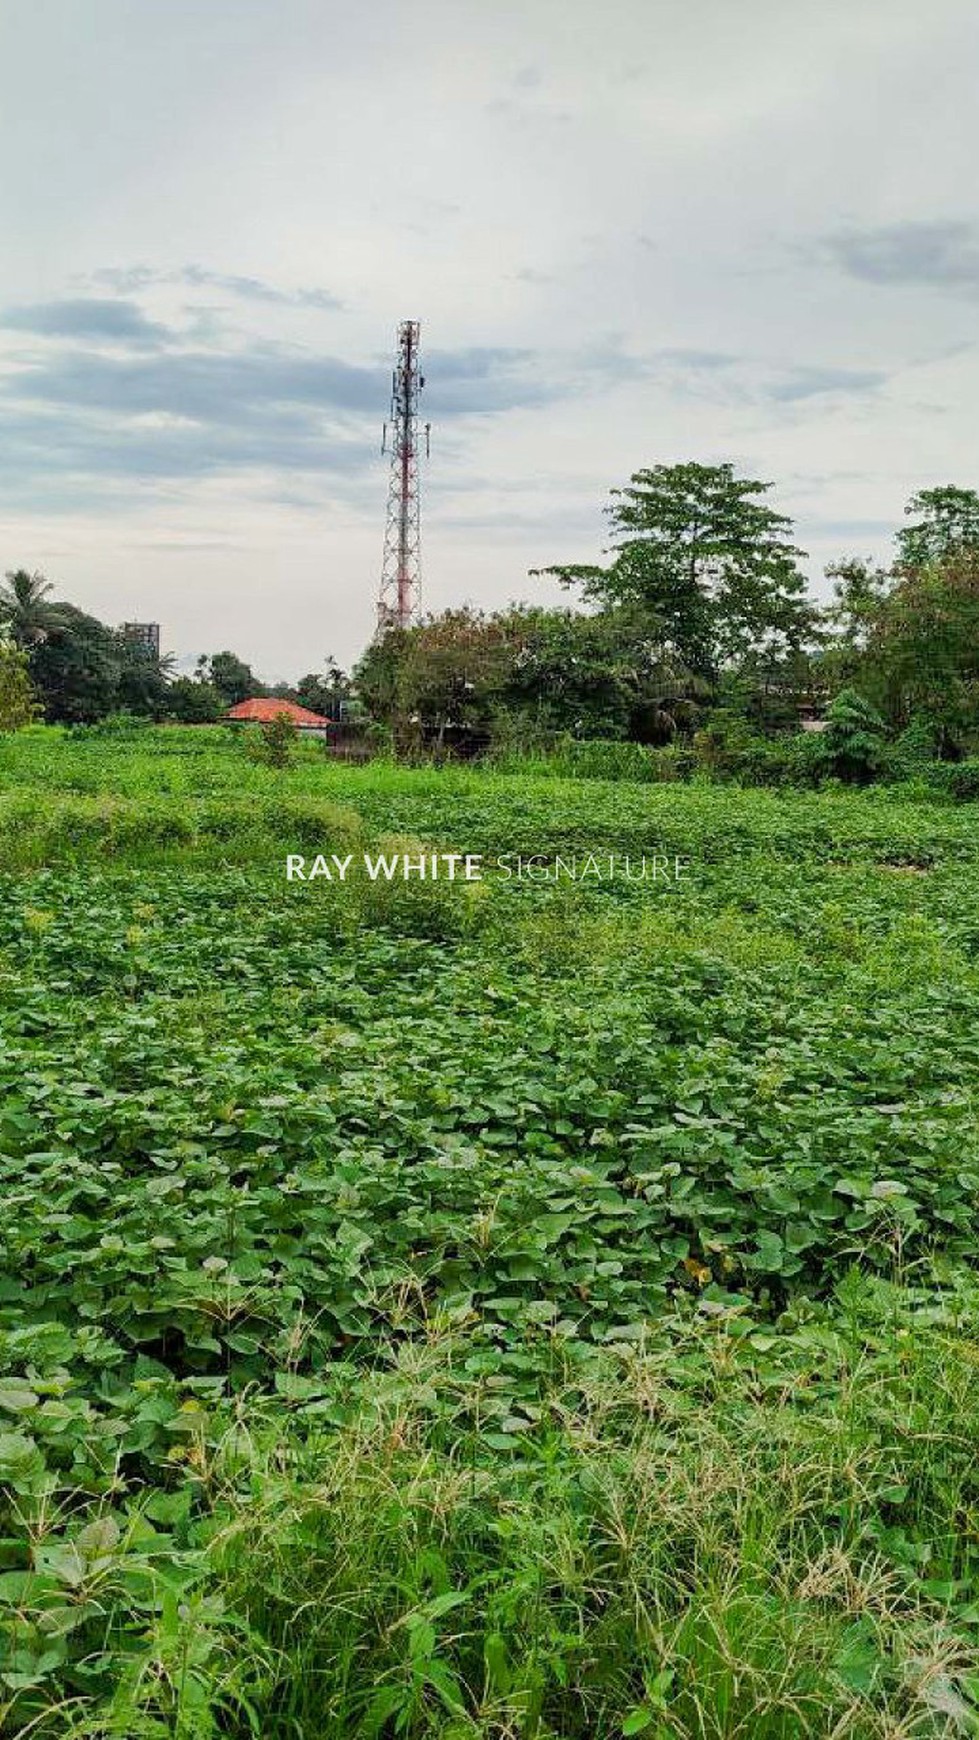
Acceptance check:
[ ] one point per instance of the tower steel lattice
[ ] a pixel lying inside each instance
(400, 596)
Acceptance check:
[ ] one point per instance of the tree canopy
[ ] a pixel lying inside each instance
(327, 692)
(946, 525)
(18, 700)
(698, 627)
(233, 679)
(709, 564)
(526, 669)
(76, 668)
(26, 611)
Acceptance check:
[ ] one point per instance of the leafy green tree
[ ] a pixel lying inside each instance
(708, 562)
(192, 702)
(25, 610)
(852, 746)
(447, 672)
(922, 655)
(594, 675)
(860, 589)
(234, 680)
(452, 672)
(18, 702)
(143, 680)
(76, 668)
(947, 525)
(275, 743)
(376, 676)
(326, 692)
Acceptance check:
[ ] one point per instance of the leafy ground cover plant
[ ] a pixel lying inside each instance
(514, 1310)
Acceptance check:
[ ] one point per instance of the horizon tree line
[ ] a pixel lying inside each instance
(700, 616)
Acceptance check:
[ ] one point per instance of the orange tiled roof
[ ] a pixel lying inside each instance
(263, 708)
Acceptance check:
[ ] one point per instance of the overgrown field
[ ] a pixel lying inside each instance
(512, 1310)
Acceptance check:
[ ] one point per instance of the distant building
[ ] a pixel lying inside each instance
(262, 709)
(143, 634)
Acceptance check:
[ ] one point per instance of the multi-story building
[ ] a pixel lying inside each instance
(143, 634)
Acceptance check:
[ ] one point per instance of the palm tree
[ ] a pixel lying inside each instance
(25, 611)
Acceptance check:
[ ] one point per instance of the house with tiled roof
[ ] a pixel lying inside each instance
(262, 709)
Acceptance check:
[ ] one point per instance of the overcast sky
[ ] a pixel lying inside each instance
(635, 231)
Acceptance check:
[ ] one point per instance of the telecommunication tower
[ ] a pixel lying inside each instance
(400, 597)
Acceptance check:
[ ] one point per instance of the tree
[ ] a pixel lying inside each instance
(76, 668)
(860, 589)
(859, 592)
(18, 702)
(452, 671)
(194, 703)
(922, 654)
(448, 671)
(601, 675)
(24, 608)
(948, 525)
(708, 563)
(276, 742)
(234, 680)
(143, 679)
(852, 746)
(377, 675)
(326, 692)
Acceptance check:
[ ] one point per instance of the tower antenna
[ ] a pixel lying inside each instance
(400, 596)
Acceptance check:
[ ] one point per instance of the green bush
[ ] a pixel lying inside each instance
(957, 779)
(852, 748)
(275, 743)
(115, 725)
(913, 754)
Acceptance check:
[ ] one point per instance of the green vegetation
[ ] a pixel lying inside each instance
(82, 672)
(698, 640)
(517, 1309)
(18, 706)
(702, 557)
(701, 638)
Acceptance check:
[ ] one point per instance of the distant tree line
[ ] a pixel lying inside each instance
(61, 664)
(697, 633)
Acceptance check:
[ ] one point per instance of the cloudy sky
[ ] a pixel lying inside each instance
(634, 231)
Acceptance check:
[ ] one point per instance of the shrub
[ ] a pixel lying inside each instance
(723, 742)
(674, 762)
(18, 703)
(913, 754)
(852, 747)
(116, 725)
(956, 779)
(599, 758)
(276, 742)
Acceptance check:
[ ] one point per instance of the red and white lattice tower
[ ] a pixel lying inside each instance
(400, 597)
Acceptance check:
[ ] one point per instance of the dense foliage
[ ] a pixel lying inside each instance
(525, 674)
(18, 702)
(523, 1308)
(702, 556)
(82, 672)
(697, 636)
